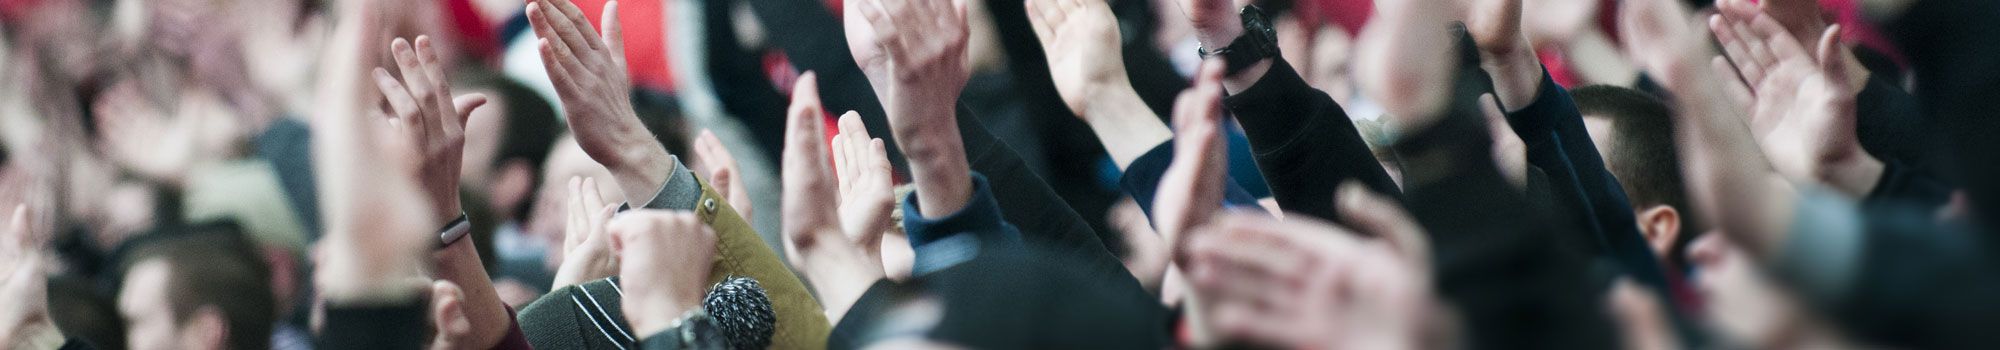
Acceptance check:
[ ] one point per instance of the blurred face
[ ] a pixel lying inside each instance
(148, 313)
(1742, 304)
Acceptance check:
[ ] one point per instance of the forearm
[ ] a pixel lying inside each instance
(1517, 76)
(460, 264)
(937, 162)
(1124, 124)
(1728, 173)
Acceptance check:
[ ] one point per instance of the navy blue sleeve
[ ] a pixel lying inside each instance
(1558, 143)
(1141, 180)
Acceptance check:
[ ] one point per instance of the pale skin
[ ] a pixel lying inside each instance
(588, 70)
(1729, 178)
(913, 53)
(586, 247)
(666, 258)
(1080, 38)
(1802, 100)
(838, 253)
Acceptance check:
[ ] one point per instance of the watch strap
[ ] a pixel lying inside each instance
(454, 231)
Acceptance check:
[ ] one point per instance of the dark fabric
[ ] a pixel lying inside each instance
(1025, 200)
(584, 316)
(287, 144)
(1142, 180)
(1891, 126)
(999, 293)
(1304, 142)
(394, 326)
(1494, 263)
(1919, 286)
(671, 339)
(737, 75)
(813, 39)
(1552, 129)
(1949, 43)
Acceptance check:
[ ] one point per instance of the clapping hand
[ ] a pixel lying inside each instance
(915, 53)
(1410, 90)
(840, 265)
(1306, 284)
(423, 110)
(1505, 52)
(1080, 38)
(586, 248)
(588, 71)
(1802, 101)
(666, 257)
(1191, 189)
(867, 183)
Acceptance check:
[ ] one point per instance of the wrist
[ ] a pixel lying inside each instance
(662, 316)
(1220, 33)
(1125, 125)
(641, 170)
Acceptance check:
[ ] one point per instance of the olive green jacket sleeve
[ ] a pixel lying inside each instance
(740, 251)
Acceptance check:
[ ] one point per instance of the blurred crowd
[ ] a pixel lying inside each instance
(800, 174)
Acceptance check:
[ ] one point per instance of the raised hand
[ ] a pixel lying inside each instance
(1803, 110)
(1730, 180)
(1411, 90)
(1505, 52)
(1801, 19)
(589, 75)
(715, 160)
(586, 248)
(1191, 190)
(424, 111)
(922, 45)
(840, 267)
(1306, 284)
(379, 225)
(666, 259)
(867, 183)
(913, 51)
(23, 278)
(1216, 23)
(1080, 38)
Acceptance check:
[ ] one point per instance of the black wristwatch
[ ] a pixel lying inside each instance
(1258, 42)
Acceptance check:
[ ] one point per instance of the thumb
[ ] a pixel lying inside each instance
(1833, 60)
(465, 104)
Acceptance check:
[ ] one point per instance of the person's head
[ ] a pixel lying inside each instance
(1635, 133)
(198, 288)
(506, 143)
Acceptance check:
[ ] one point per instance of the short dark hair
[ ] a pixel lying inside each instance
(528, 131)
(214, 264)
(1646, 161)
(662, 116)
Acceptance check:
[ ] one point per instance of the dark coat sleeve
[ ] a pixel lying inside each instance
(370, 327)
(1305, 144)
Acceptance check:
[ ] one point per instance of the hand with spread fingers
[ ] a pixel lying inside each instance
(867, 183)
(723, 172)
(588, 70)
(422, 108)
(837, 263)
(1303, 283)
(666, 259)
(1080, 38)
(1408, 89)
(1802, 101)
(914, 54)
(586, 248)
(379, 221)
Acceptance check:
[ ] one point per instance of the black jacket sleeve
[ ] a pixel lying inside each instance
(370, 327)
(1491, 250)
(1304, 142)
